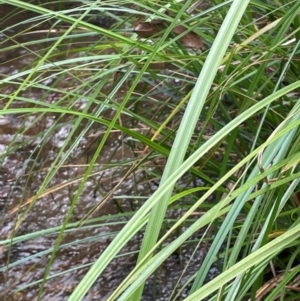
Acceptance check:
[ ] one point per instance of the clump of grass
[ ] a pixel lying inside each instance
(227, 117)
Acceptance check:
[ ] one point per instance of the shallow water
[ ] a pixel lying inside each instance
(27, 151)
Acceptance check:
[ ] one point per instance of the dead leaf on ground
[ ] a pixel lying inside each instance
(148, 29)
(190, 39)
(156, 27)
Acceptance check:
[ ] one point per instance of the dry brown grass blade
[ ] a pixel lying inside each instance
(267, 287)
